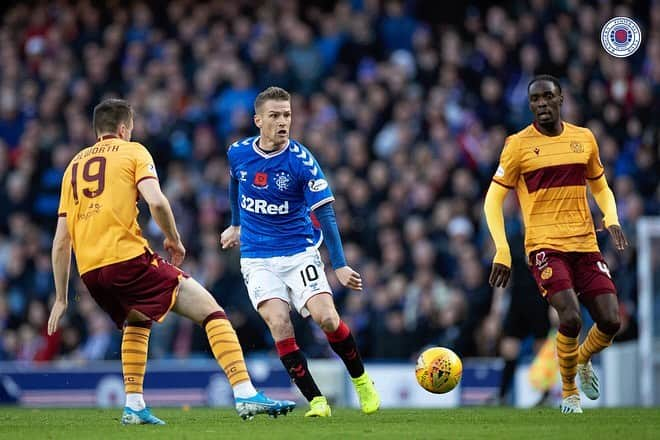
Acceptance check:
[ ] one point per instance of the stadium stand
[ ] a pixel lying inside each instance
(407, 116)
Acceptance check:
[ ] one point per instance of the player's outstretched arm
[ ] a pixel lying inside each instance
(345, 274)
(231, 236)
(501, 270)
(605, 200)
(61, 256)
(161, 211)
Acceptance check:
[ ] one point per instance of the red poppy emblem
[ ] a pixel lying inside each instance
(260, 179)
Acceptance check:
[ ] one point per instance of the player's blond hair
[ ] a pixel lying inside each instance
(109, 113)
(271, 94)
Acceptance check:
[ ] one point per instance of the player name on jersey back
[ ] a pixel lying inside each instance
(277, 190)
(98, 198)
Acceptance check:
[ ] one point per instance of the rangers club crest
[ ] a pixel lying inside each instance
(282, 180)
(621, 37)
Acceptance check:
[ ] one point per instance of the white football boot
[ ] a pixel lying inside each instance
(571, 405)
(589, 384)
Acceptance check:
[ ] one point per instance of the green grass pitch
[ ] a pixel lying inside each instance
(464, 423)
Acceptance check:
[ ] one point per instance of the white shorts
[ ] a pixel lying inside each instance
(293, 279)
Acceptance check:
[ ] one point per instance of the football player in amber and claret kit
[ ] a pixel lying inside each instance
(549, 164)
(98, 218)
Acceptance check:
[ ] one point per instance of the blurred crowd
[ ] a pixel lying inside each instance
(406, 113)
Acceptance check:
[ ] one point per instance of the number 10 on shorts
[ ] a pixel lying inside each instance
(309, 274)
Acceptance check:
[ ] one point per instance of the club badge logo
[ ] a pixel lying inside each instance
(577, 147)
(282, 181)
(621, 37)
(547, 273)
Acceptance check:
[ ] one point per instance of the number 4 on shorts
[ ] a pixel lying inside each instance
(603, 268)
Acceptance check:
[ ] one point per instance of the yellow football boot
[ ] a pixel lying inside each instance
(366, 391)
(319, 408)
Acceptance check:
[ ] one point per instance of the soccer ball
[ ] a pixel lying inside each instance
(438, 370)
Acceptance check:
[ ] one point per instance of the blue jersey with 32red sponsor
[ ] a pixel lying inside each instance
(276, 192)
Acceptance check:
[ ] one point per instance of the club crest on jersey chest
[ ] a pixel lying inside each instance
(577, 147)
(282, 180)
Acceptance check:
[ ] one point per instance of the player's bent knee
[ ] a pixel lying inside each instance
(328, 322)
(570, 323)
(194, 301)
(280, 325)
(610, 326)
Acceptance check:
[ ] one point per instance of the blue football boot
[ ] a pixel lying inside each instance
(143, 417)
(260, 404)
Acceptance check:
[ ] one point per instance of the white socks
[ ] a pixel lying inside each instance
(135, 401)
(244, 390)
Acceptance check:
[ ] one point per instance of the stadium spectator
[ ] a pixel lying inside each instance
(408, 117)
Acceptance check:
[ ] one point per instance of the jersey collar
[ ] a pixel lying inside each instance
(107, 136)
(261, 153)
(536, 128)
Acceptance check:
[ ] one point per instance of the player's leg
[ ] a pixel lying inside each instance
(554, 275)
(570, 323)
(323, 311)
(134, 349)
(115, 300)
(599, 296)
(271, 297)
(196, 303)
(276, 313)
(604, 309)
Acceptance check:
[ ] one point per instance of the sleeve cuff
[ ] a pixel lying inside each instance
(597, 177)
(501, 184)
(322, 202)
(503, 256)
(61, 214)
(144, 178)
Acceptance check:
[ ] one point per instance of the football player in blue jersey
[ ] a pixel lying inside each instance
(275, 184)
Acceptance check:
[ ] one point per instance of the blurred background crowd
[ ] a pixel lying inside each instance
(405, 106)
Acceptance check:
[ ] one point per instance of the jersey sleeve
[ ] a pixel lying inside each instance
(144, 165)
(315, 186)
(508, 170)
(65, 194)
(231, 159)
(595, 167)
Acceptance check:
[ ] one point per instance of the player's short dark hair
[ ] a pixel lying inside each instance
(271, 93)
(109, 113)
(552, 79)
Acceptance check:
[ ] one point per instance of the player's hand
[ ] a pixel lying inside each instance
(499, 275)
(620, 241)
(59, 307)
(176, 250)
(230, 237)
(349, 278)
